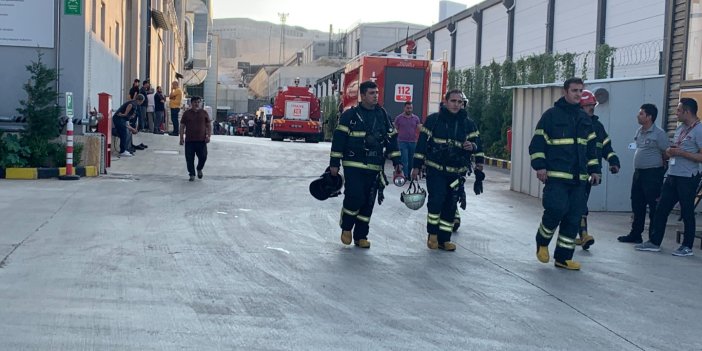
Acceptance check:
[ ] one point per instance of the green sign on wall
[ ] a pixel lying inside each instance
(71, 7)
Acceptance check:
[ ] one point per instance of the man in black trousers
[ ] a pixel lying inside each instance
(195, 131)
(650, 143)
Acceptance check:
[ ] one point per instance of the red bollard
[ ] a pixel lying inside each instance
(70, 174)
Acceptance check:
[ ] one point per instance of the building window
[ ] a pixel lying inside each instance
(693, 65)
(102, 21)
(94, 19)
(117, 37)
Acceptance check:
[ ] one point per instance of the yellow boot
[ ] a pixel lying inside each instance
(569, 265)
(542, 254)
(363, 243)
(432, 242)
(346, 237)
(587, 240)
(447, 246)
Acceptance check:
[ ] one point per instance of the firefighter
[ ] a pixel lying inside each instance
(479, 160)
(604, 150)
(358, 144)
(446, 142)
(564, 156)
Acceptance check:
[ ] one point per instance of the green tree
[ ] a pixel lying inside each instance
(41, 111)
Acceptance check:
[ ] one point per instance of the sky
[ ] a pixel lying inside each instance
(318, 14)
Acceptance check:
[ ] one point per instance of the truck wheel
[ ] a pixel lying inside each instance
(276, 137)
(311, 140)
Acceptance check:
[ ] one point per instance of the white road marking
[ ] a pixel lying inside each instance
(278, 249)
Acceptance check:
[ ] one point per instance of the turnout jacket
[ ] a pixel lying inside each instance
(440, 143)
(361, 136)
(604, 144)
(564, 144)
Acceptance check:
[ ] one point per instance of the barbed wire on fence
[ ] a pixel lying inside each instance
(624, 56)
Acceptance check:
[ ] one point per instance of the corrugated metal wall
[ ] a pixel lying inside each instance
(530, 27)
(529, 104)
(618, 116)
(494, 44)
(465, 43)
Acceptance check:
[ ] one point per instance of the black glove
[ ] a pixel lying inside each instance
(462, 198)
(478, 185)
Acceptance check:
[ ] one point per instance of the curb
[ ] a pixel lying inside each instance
(45, 173)
(496, 162)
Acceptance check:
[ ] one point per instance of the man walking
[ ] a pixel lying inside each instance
(681, 183)
(407, 125)
(650, 143)
(196, 127)
(175, 101)
(604, 150)
(445, 145)
(359, 141)
(564, 156)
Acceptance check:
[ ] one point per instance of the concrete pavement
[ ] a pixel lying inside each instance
(246, 259)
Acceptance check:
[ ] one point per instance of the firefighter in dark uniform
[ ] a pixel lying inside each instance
(604, 150)
(564, 156)
(446, 142)
(362, 139)
(479, 161)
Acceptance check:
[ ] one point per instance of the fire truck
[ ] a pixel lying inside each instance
(296, 115)
(400, 79)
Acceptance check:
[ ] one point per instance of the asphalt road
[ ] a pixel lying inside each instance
(246, 259)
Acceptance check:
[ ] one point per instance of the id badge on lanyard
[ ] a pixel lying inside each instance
(681, 138)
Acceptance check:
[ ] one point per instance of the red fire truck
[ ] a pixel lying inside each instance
(399, 79)
(296, 115)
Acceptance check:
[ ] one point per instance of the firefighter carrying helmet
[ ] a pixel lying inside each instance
(414, 196)
(587, 98)
(326, 186)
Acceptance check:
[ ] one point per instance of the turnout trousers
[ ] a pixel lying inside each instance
(441, 204)
(564, 205)
(358, 200)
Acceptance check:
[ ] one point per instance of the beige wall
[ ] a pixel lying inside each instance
(258, 86)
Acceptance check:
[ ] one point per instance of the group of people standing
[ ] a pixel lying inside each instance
(567, 153)
(145, 111)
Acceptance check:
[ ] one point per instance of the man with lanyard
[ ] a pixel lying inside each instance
(445, 144)
(681, 183)
(650, 143)
(358, 142)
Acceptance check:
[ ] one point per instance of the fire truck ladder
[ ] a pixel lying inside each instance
(435, 83)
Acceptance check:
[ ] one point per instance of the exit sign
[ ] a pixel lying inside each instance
(72, 7)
